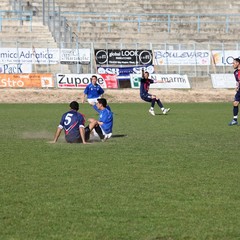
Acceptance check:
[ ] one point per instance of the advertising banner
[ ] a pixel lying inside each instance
(123, 57)
(82, 80)
(174, 81)
(15, 68)
(181, 57)
(123, 73)
(224, 58)
(223, 81)
(32, 80)
(74, 56)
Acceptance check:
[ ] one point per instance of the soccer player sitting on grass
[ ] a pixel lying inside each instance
(147, 97)
(103, 126)
(73, 124)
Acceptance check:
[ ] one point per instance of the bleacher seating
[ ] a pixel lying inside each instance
(125, 24)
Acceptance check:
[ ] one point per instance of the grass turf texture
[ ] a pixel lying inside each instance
(172, 177)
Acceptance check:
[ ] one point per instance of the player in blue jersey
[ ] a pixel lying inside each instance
(147, 97)
(236, 66)
(73, 124)
(103, 126)
(93, 91)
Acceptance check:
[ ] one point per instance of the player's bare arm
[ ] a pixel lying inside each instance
(57, 134)
(82, 133)
(83, 98)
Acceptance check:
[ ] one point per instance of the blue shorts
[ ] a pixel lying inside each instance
(237, 96)
(146, 97)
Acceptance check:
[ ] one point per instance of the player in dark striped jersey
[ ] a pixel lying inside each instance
(73, 124)
(147, 97)
(236, 66)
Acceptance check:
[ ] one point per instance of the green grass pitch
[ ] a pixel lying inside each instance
(172, 177)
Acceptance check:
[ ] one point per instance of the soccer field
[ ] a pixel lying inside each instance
(168, 177)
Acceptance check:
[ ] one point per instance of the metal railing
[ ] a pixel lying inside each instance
(167, 22)
(19, 16)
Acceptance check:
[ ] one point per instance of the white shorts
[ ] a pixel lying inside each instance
(92, 101)
(94, 134)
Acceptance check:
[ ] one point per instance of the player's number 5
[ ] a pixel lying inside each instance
(68, 118)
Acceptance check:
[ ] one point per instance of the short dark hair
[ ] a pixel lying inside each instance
(237, 59)
(102, 101)
(94, 76)
(74, 105)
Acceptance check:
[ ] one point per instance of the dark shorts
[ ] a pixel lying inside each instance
(73, 140)
(78, 139)
(237, 96)
(146, 97)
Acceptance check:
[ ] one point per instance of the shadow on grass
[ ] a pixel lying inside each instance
(119, 135)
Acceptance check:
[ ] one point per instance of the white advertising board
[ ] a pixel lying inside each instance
(223, 81)
(173, 81)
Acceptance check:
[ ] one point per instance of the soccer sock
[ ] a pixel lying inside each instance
(153, 103)
(87, 133)
(235, 112)
(99, 132)
(160, 104)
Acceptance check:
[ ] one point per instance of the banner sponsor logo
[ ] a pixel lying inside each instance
(44, 56)
(123, 57)
(82, 80)
(223, 58)
(29, 55)
(181, 57)
(166, 81)
(75, 56)
(32, 80)
(123, 73)
(15, 68)
(223, 80)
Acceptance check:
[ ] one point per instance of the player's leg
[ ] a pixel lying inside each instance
(87, 133)
(99, 132)
(149, 98)
(164, 110)
(235, 114)
(235, 110)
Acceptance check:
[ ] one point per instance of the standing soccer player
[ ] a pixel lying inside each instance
(92, 91)
(147, 97)
(236, 66)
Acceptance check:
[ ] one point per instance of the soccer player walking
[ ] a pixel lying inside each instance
(236, 66)
(147, 97)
